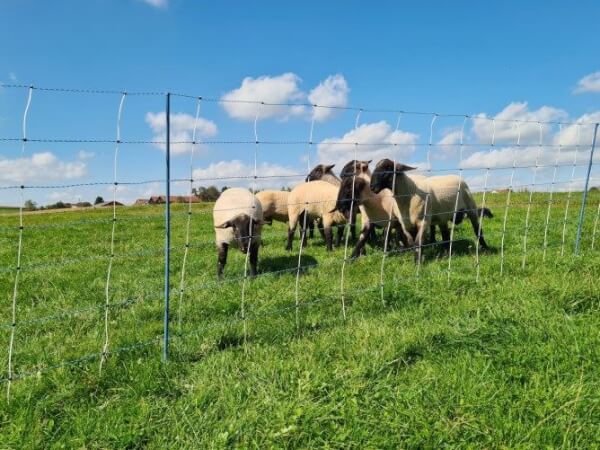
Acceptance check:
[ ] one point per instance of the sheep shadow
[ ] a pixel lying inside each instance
(279, 265)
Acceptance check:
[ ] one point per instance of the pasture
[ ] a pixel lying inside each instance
(511, 361)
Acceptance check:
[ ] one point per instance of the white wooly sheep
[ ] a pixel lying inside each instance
(425, 201)
(376, 210)
(238, 220)
(315, 200)
(274, 205)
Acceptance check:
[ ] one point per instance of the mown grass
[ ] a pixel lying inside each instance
(511, 361)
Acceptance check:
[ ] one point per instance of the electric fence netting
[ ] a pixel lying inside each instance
(136, 274)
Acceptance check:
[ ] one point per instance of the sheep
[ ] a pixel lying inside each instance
(376, 210)
(425, 201)
(322, 172)
(315, 199)
(274, 205)
(238, 221)
(358, 168)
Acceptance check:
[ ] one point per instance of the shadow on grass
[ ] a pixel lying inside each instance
(286, 264)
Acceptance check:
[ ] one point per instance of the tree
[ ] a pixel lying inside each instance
(98, 200)
(30, 205)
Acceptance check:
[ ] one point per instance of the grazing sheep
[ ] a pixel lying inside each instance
(316, 200)
(238, 221)
(425, 201)
(274, 205)
(376, 210)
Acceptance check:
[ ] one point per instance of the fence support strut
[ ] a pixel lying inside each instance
(167, 225)
(585, 192)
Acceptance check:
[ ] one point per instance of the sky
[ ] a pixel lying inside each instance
(535, 61)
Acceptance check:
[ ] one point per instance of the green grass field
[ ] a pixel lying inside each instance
(511, 361)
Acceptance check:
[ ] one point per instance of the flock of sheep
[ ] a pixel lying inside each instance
(410, 205)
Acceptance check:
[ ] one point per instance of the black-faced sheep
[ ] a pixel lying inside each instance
(376, 210)
(237, 220)
(425, 201)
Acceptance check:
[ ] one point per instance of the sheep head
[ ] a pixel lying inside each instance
(244, 228)
(355, 167)
(383, 175)
(319, 171)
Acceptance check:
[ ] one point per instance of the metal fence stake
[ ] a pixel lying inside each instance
(585, 192)
(167, 226)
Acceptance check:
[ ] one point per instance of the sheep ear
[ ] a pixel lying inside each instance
(331, 166)
(227, 224)
(369, 162)
(404, 168)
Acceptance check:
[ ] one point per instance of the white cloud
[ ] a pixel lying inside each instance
(377, 141)
(182, 127)
(40, 167)
(279, 89)
(160, 4)
(12, 76)
(228, 173)
(508, 132)
(569, 137)
(333, 91)
(84, 155)
(589, 83)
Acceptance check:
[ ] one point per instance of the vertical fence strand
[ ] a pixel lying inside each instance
(112, 235)
(15, 295)
(188, 219)
(530, 201)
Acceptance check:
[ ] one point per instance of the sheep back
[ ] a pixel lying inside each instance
(318, 198)
(274, 204)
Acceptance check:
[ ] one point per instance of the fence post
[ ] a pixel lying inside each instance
(585, 192)
(167, 226)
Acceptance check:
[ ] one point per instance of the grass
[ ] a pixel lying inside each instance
(511, 361)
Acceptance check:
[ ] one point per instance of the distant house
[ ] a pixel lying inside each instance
(111, 203)
(82, 205)
(142, 201)
(160, 199)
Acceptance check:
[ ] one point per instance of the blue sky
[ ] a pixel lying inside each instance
(522, 60)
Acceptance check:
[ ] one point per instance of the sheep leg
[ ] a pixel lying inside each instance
(419, 240)
(445, 236)
(311, 229)
(353, 225)
(320, 227)
(400, 236)
(362, 240)
(475, 223)
(222, 259)
(291, 231)
(328, 238)
(340, 234)
(431, 239)
(253, 259)
(303, 220)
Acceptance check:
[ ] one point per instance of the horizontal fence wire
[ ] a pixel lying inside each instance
(210, 99)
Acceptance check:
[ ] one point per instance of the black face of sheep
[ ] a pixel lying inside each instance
(355, 167)
(319, 171)
(346, 199)
(244, 228)
(383, 175)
